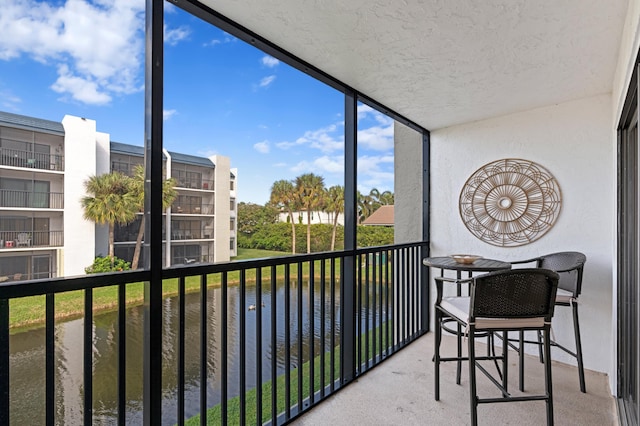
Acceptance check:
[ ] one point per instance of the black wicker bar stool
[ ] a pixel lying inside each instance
(570, 266)
(499, 302)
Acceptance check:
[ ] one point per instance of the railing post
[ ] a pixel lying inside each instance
(348, 285)
(152, 255)
(424, 250)
(4, 362)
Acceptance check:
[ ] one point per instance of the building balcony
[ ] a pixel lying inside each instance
(30, 239)
(201, 184)
(196, 209)
(31, 160)
(10, 198)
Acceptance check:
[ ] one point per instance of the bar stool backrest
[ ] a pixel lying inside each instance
(569, 265)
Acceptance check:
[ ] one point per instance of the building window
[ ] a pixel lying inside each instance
(24, 193)
(233, 205)
(16, 268)
(188, 179)
(125, 164)
(188, 205)
(185, 254)
(186, 229)
(22, 148)
(232, 244)
(128, 232)
(36, 228)
(231, 185)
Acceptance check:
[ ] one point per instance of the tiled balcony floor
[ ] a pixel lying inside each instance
(400, 392)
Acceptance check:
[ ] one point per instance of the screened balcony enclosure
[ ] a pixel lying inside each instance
(298, 338)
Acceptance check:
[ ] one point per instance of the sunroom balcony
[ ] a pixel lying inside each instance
(369, 313)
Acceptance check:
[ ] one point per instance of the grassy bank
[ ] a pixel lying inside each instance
(29, 312)
(214, 414)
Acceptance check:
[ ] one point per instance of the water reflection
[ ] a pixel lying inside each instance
(28, 358)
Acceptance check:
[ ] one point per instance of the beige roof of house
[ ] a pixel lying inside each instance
(381, 217)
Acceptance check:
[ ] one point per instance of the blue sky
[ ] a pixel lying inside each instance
(222, 96)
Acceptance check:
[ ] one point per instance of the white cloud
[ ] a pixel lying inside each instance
(168, 113)
(9, 100)
(269, 61)
(321, 165)
(376, 138)
(226, 38)
(266, 81)
(326, 139)
(208, 153)
(96, 47)
(175, 35)
(262, 147)
(80, 89)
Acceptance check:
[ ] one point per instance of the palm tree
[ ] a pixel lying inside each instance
(364, 206)
(310, 191)
(386, 198)
(110, 201)
(283, 195)
(136, 185)
(335, 205)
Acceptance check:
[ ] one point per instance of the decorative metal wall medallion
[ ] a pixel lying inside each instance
(510, 202)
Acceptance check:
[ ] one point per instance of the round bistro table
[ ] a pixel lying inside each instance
(480, 265)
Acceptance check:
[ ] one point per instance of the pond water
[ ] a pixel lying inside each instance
(27, 374)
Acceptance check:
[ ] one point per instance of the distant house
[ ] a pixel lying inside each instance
(300, 217)
(381, 217)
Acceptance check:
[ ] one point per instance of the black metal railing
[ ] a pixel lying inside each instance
(249, 342)
(14, 239)
(31, 199)
(32, 160)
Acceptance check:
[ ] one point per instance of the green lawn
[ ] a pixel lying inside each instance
(29, 312)
(244, 254)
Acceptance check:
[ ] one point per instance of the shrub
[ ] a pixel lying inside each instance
(103, 264)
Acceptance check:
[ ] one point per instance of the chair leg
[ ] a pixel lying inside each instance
(436, 358)
(472, 377)
(547, 376)
(576, 329)
(459, 366)
(521, 356)
(505, 362)
(540, 354)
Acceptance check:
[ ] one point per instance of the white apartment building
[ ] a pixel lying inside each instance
(43, 167)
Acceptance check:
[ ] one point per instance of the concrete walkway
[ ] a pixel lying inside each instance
(400, 392)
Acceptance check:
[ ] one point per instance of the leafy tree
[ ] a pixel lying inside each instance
(283, 195)
(252, 217)
(107, 264)
(334, 204)
(110, 201)
(310, 191)
(169, 194)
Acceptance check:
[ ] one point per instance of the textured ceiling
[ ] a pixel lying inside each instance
(444, 62)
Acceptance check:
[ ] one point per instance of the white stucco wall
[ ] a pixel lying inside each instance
(222, 232)
(408, 184)
(80, 163)
(573, 141)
